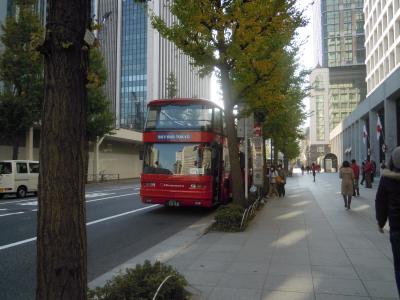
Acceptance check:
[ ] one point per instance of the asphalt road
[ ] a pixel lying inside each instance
(119, 227)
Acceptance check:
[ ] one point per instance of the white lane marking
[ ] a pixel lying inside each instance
(87, 224)
(120, 215)
(94, 195)
(17, 213)
(17, 243)
(35, 209)
(116, 189)
(29, 203)
(91, 192)
(94, 200)
(13, 202)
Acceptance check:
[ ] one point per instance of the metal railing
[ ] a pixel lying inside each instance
(250, 212)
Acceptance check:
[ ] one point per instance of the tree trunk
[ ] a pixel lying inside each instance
(285, 163)
(61, 231)
(233, 149)
(15, 147)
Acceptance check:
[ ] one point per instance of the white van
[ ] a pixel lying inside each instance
(18, 177)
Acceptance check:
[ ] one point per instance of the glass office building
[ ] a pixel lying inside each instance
(139, 60)
(342, 32)
(133, 65)
(343, 52)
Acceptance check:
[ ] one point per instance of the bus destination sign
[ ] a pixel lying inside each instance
(174, 137)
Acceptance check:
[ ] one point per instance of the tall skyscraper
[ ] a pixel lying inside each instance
(139, 60)
(382, 40)
(340, 53)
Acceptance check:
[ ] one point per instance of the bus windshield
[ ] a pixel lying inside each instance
(178, 159)
(173, 116)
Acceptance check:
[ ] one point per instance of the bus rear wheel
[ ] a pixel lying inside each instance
(21, 192)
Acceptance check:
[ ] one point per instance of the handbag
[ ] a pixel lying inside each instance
(279, 179)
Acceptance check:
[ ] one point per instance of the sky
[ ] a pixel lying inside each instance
(306, 55)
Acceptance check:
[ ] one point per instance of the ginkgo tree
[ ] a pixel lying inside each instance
(277, 99)
(226, 35)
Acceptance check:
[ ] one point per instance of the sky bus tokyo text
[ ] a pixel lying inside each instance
(185, 154)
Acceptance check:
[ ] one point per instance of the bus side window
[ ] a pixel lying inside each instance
(33, 168)
(22, 168)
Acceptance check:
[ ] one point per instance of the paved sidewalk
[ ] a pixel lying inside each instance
(304, 246)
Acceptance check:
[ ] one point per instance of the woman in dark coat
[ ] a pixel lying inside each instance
(347, 176)
(387, 206)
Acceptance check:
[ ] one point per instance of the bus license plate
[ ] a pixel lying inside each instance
(173, 203)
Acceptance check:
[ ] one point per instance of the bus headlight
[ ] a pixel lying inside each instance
(149, 184)
(196, 186)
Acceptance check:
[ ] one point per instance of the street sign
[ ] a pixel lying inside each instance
(258, 161)
(247, 124)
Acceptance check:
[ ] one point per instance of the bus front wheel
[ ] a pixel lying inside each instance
(21, 192)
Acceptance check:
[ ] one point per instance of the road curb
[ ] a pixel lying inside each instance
(162, 252)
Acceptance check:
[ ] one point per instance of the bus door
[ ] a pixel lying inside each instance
(217, 171)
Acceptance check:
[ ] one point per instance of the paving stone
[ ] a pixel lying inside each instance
(248, 268)
(339, 297)
(206, 265)
(334, 272)
(290, 269)
(339, 286)
(232, 293)
(289, 283)
(381, 289)
(278, 295)
(242, 281)
(202, 278)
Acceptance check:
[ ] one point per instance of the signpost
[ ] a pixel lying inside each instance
(258, 161)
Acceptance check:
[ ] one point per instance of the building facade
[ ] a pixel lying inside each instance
(357, 136)
(318, 144)
(338, 81)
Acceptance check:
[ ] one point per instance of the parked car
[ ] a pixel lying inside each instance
(18, 177)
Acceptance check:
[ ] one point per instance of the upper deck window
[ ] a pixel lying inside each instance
(173, 116)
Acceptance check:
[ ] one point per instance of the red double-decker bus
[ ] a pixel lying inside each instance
(185, 154)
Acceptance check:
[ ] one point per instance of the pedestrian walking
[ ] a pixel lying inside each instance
(313, 169)
(347, 176)
(356, 172)
(368, 173)
(272, 182)
(387, 206)
(281, 181)
(362, 173)
(302, 169)
(373, 172)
